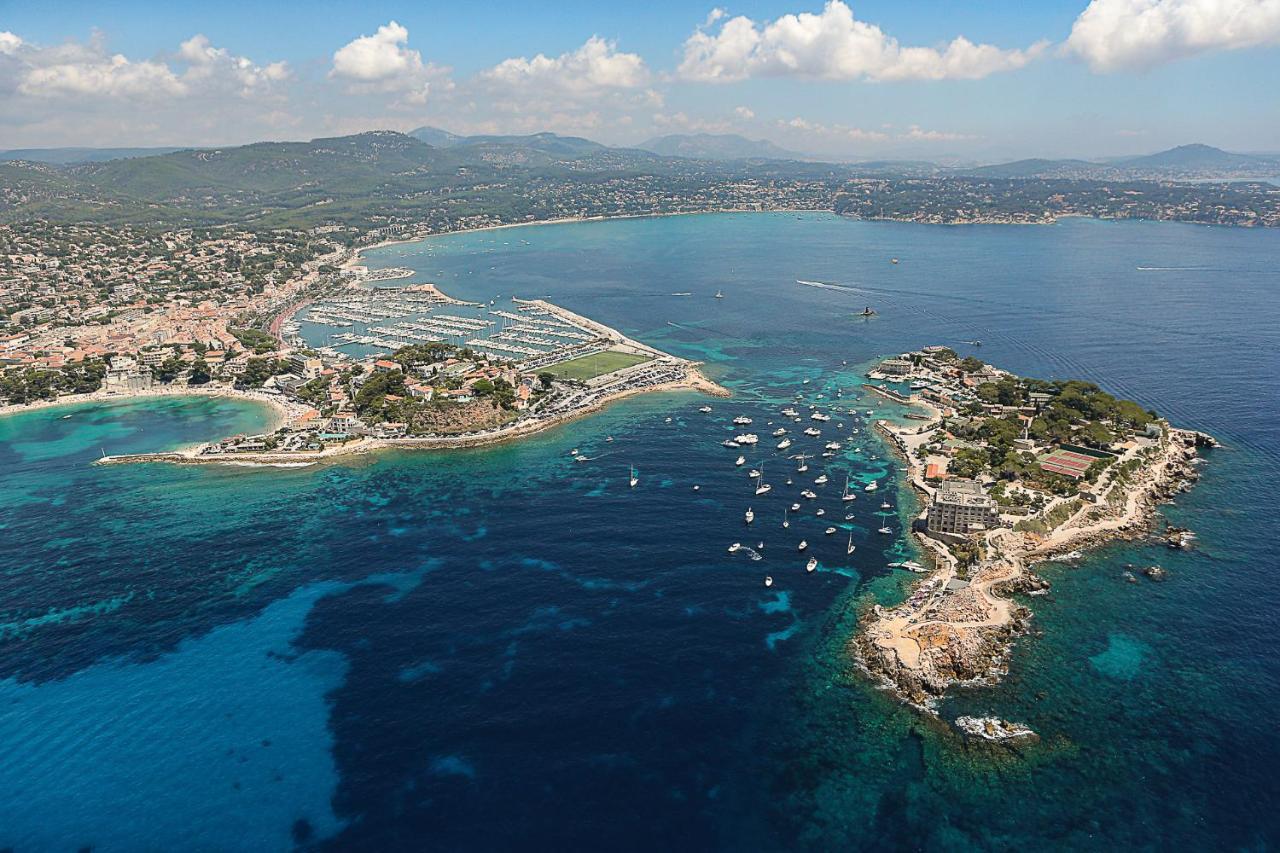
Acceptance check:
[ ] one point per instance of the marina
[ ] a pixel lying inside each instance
(364, 320)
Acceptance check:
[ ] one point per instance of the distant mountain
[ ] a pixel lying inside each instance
(1041, 168)
(545, 143)
(1188, 158)
(72, 156)
(1200, 162)
(436, 137)
(717, 146)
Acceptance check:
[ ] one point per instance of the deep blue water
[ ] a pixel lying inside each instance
(504, 648)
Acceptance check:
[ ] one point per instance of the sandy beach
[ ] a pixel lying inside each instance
(281, 410)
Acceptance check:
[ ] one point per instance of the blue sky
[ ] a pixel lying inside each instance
(840, 78)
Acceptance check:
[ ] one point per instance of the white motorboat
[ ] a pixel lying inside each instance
(753, 473)
(813, 432)
(811, 565)
(780, 431)
(729, 442)
(871, 487)
(768, 581)
(747, 438)
(819, 416)
(821, 480)
(807, 493)
(820, 513)
(735, 547)
(886, 529)
(834, 445)
(803, 545)
(829, 531)
(886, 505)
(790, 412)
(795, 507)
(784, 444)
(749, 515)
(740, 460)
(742, 420)
(705, 410)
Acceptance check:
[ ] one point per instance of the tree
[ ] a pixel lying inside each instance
(200, 373)
(546, 379)
(257, 371)
(168, 370)
(1094, 434)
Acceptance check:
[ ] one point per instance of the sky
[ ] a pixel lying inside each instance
(946, 81)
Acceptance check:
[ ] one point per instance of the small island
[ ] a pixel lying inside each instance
(1012, 471)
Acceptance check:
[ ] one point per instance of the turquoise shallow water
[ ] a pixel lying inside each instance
(501, 647)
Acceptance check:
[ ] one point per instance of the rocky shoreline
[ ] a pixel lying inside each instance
(965, 637)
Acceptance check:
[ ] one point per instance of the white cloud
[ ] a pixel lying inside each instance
(595, 67)
(915, 133)
(86, 69)
(686, 122)
(208, 63)
(381, 56)
(1113, 35)
(744, 113)
(835, 132)
(383, 62)
(834, 45)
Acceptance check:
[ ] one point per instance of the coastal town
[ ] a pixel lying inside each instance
(1011, 471)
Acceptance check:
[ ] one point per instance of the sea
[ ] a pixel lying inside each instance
(504, 648)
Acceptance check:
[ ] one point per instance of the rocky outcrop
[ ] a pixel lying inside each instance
(994, 729)
(959, 627)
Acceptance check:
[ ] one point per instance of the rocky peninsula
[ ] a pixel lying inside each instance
(1012, 472)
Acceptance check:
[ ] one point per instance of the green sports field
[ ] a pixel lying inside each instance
(597, 364)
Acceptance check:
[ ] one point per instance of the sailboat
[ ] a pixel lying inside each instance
(634, 478)
(851, 547)
(762, 488)
(719, 294)
(786, 522)
(846, 495)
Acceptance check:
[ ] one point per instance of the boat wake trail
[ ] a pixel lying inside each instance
(826, 286)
